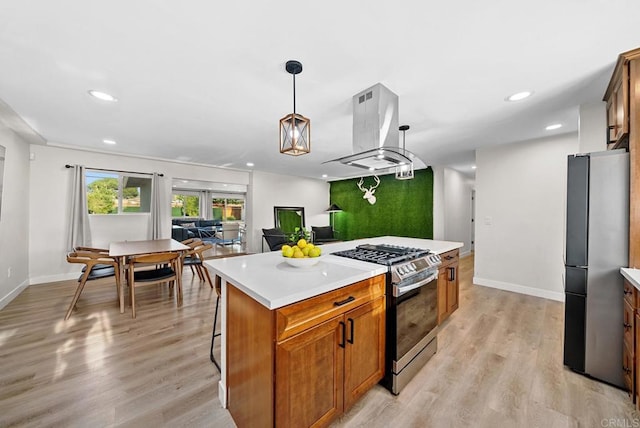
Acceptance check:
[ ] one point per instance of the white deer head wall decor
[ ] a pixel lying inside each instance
(368, 194)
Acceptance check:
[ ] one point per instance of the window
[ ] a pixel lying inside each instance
(117, 193)
(185, 204)
(227, 208)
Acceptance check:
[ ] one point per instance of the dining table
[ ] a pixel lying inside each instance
(123, 249)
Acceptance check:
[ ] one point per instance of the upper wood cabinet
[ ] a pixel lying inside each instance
(617, 99)
(620, 99)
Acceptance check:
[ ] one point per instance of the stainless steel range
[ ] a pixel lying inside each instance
(412, 307)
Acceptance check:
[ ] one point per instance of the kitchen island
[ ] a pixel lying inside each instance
(275, 317)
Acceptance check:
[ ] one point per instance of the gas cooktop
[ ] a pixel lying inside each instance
(382, 254)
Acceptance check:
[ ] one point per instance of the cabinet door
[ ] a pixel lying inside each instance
(618, 106)
(627, 369)
(634, 361)
(628, 321)
(364, 353)
(452, 288)
(309, 375)
(442, 295)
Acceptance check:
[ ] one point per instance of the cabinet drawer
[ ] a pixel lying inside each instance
(297, 317)
(628, 326)
(630, 293)
(628, 367)
(449, 257)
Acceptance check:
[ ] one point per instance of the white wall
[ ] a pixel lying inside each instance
(452, 207)
(14, 224)
(268, 190)
(592, 127)
(520, 215)
(438, 203)
(50, 191)
(457, 208)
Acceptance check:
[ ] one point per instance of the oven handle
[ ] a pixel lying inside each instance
(399, 291)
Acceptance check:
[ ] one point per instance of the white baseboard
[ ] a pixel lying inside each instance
(522, 289)
(465, 253)
(13, 294)
(54, 278)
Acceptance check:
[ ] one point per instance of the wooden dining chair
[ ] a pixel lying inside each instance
(98, 265)
(194, 258)
(154, 268)
(192, 243)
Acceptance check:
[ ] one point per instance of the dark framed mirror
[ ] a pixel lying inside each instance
(288, 218)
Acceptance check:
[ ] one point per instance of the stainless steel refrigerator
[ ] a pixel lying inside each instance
(597, 246)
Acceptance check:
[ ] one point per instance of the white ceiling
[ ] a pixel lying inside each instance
(204, 81)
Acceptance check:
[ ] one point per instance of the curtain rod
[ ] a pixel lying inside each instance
(117, 170)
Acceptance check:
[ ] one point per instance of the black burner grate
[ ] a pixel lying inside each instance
(382, 254)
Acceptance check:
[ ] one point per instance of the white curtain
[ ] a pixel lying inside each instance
(155, 226)
(79, 229)
(205, 205)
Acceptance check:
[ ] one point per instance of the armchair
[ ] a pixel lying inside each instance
(275, 238)
(323, 234)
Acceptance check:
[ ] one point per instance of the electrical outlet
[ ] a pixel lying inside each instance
(9, 273)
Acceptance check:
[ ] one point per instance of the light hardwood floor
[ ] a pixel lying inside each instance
(499, 363)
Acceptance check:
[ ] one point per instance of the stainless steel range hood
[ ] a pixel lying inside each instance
(375, 159)
(375, 131)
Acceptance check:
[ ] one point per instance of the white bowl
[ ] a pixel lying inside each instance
(303, 262)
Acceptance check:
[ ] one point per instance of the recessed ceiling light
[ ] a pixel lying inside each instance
(473, 167)
(249, 163)
(108, 141)
(185, 181)
(102, 96)
(519, 96)
(554, 126)
(324, 175)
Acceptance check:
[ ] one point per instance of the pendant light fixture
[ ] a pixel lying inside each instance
(404, 171)
(295, 129)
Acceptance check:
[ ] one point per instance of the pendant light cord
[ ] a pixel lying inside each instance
(294, 96)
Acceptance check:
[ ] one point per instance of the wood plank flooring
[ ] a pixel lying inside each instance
(499, 363)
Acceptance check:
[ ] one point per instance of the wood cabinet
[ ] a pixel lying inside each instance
(617, 99)
(631, 332)
(634, 389)
(623, 120)
(318, 357)
(448, 285)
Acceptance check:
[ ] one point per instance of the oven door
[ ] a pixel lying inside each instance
(416, 307)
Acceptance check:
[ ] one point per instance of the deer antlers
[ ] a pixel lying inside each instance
(368, 193)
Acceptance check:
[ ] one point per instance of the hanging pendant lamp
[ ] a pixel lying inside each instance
(295, 129)
(404, 171)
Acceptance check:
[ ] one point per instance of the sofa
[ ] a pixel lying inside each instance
(185, 228)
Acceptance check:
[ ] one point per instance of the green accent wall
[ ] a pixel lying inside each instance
(402, 208)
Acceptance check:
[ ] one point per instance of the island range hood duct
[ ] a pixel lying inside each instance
(375, 131)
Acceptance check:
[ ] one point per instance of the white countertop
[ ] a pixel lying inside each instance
(269, 280)
(632, 275)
